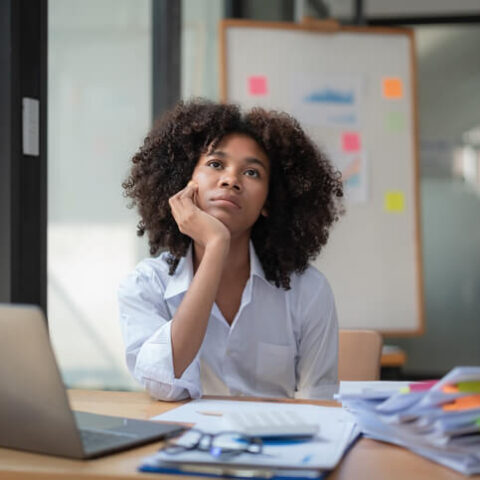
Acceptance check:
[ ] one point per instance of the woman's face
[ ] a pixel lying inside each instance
(233, 182)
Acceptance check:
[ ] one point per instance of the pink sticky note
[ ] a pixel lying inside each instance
(350, 142)
(257, 85)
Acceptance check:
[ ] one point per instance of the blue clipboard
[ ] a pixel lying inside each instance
(235, 473)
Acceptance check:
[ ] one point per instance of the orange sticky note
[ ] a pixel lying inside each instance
(350, 142)
(392, 87)
(257, 85)
(463, 403)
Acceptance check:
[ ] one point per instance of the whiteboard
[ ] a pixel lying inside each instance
(353, 90)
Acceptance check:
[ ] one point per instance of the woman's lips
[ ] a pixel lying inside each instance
(225, 201)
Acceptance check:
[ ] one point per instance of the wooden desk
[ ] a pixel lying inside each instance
(367, 460)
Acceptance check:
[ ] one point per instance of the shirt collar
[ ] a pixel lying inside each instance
(255, 265)
(182, 278)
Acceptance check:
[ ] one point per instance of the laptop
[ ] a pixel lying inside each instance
(35, 414)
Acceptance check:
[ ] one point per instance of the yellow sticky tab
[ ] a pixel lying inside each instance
(469, 387)
(394, 201)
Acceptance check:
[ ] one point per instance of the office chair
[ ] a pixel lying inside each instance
(359, 355)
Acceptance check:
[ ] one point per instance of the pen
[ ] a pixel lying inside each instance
(211, 414)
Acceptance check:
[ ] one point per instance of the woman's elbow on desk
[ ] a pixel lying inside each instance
(165, 392)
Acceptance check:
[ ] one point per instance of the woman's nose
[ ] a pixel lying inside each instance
(230, 180)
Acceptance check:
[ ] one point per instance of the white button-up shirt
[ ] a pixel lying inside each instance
(280, 343)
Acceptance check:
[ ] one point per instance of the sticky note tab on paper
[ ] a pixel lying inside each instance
(257, 85)
(450, 389)
(350, 142)
(392, 87)
(394, 201)
(463, 403)
(469, 387)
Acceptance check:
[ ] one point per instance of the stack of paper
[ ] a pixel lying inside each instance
(307, 458)
(439, 420)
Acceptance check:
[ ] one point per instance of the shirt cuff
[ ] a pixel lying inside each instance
(154, 368)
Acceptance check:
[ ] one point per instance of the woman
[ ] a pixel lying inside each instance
(241, 202)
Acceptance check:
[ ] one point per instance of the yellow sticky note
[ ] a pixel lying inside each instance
(392, 87)
(394, 201)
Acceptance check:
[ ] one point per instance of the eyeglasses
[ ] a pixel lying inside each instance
(219, 445)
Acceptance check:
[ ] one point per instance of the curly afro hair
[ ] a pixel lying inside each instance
(305, 191)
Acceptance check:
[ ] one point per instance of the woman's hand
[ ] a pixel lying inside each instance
(194, 222)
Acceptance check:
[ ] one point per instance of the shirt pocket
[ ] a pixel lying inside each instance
(275, 369)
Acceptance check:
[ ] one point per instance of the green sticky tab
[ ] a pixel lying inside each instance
(478, 422)
(469, 387)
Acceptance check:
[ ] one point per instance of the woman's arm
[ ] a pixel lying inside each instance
(190, 321)
(146, 328)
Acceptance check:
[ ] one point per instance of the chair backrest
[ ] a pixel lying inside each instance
(359, 355)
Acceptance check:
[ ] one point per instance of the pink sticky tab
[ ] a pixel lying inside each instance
(422, 386)
(257, 85)
(350, 142)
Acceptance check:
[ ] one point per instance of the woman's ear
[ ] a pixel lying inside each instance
(264, 212)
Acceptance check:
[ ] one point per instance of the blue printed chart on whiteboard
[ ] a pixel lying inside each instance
(329, 108)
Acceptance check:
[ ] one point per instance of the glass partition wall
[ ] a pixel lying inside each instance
(99, 111)
(449, 128)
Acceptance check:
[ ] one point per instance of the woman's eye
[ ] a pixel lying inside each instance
(214, 164)
(251, 173)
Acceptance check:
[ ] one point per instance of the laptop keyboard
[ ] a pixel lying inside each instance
(94, 439)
